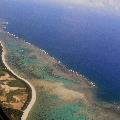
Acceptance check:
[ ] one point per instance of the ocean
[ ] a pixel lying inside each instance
(87, 42)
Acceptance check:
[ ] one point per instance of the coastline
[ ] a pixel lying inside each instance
(29, 107)
(62, 83)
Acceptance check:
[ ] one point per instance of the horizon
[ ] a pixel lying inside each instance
(109, 6)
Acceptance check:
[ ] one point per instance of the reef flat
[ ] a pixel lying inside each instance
(61, 93)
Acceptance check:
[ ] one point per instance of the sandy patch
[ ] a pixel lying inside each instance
(7, 77)
(19, 98)
(67, 94)
(17, 105)
(2, 98)
(59, 90)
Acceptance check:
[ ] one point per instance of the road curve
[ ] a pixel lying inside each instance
(29, 107)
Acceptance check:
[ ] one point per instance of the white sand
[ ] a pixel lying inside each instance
(29, 107)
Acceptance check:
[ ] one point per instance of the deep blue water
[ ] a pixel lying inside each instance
(86, 42)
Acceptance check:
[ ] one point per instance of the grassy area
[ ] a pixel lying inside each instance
(29, 91)
(1, 91)
(14, 114)
(16, 83)
(10, 97)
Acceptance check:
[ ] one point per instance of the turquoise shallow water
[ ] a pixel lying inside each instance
(66, 111)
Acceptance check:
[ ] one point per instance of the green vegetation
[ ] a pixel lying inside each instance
(14, 114)
(28, 89)
(10, 97)
(1, 91)
(16, 83)
(2, 72)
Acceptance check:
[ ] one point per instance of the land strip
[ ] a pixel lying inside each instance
(33, 99)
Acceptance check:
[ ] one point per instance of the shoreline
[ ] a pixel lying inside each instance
(29, 107)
